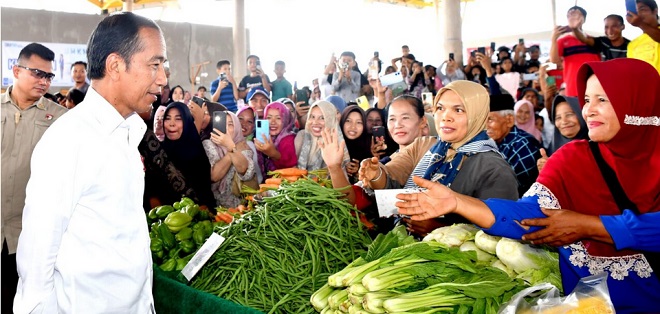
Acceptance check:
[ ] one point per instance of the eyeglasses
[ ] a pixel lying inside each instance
(38, 73)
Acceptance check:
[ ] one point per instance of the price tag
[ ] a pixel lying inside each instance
(386, 198)
(202, 256)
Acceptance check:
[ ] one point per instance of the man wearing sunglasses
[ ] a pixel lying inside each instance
(25, 115)
(84, 247)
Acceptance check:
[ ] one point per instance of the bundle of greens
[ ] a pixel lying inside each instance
(399, 275)
(276, 256)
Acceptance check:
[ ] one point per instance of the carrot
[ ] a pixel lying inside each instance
(241, 208)
(225, 217)
(291, 172)
(269, 186)
(277, 181)
(250, 198)
(315, 179)
(366, 222)
(233, 211)
(291, 178)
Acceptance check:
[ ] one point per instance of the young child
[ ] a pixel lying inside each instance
(281, 87)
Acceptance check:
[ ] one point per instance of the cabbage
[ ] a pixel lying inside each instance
(486, 242)
(521, 257)
(481, 255)
(452, 236)
(499, 265)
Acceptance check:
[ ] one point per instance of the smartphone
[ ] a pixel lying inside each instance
(301, 95)
(259, 65)
(391, 79)
(223, 76)
(427, 99)
(530, 76)
(551, 81)
(521, 41)
(631, 5)
(263, 128)
(198, 101)
(376, 54)
(482, 50)
(220, 121)
(551, 66)
(378, 131)
(473, 53)
(492, 46)
(363, 102)
(451, 56)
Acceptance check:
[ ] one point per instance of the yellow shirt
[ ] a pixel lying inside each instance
(646, 49)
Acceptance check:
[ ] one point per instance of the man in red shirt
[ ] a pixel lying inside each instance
(569, 50)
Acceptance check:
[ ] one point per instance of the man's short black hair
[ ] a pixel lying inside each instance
(201, 87)
(615, 17)
(410, 56)
(250, 57)
(280, 62)
(348, 54)
(83, 63)
(405, 47)
(75, 95)
(579, 8)
(36, 49)
(428, 66)
(650, 3)
(221, 63)
(117, 33)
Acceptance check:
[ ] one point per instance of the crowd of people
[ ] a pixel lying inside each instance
(505, 128)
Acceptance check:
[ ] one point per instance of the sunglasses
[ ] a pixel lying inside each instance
(38, 73)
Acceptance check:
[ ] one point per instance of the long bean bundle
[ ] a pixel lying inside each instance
(275, 257)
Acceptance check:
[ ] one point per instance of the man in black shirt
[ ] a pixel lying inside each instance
(611, 46)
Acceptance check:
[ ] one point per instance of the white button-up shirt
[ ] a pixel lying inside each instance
(84, 247)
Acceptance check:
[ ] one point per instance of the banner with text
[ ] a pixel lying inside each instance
(65, 56)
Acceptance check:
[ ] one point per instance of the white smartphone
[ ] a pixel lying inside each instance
(427, 99)
(530, 76)
(391, 79)
(551, 66)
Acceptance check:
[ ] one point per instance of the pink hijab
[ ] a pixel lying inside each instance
(530, 125)
(238, 134)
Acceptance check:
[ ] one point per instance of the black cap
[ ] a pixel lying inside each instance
(501, 102)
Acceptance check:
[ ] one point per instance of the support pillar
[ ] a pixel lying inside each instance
(239, 65)
(451, 27)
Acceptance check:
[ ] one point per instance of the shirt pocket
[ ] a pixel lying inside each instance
(40, 128)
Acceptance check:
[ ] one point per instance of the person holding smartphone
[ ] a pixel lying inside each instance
(568, 50)
(257, 77)
(278, 149)
(224, 89)
(645, 47)
(231, 160)
(347, 82)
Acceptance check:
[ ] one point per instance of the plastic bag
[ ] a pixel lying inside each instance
(589, 296)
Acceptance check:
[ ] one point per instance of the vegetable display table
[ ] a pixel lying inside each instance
(171, 296)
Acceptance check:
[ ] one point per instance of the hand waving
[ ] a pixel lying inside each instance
(332, 150)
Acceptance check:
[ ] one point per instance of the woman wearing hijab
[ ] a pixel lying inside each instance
(524, 113)
(229, 155)
(247, 117)
(184, 148)
(176, 94)
(358, 141)
(569, 125)
(321, 115)
(463, 158)
(278, 151)
(598, 201)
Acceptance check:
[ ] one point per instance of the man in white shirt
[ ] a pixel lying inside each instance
(84, 247)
